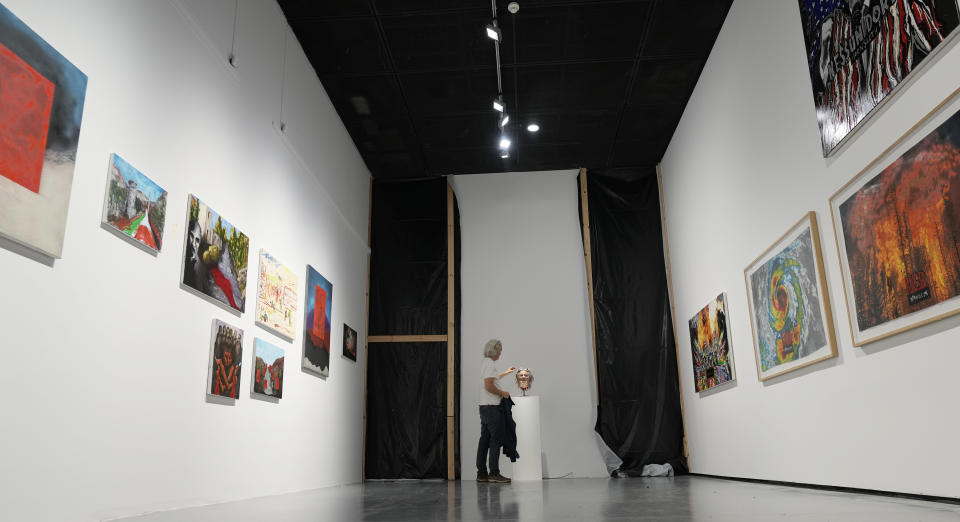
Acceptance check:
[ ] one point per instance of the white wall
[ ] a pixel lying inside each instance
(105, 356)
(524, 282)
(743, 166)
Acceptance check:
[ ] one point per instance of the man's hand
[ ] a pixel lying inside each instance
(511, 369)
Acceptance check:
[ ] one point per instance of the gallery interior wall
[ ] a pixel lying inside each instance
(524, 282)
(105, 355)
(744, 165)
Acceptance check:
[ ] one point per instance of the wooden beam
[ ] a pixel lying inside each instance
(366, 332)
(673, 311)
(451, 336)
(585, 212)
(407, 338)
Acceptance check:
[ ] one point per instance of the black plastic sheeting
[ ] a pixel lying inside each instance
(406, 435)
(639, 415)
(408, 264)
(407, 398)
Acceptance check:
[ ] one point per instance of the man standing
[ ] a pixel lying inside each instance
(491, 419)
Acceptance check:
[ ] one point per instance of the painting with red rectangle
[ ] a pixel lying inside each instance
(25, 101)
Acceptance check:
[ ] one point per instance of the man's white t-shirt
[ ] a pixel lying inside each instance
(487, 370)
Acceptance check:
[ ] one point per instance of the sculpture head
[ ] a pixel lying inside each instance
(524, 379)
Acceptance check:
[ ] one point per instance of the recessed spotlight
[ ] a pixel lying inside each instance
(498, 103)
(504, 143)
(533, 127)
(504, 120)
(493, 32)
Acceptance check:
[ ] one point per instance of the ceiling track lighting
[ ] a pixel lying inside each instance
(493, 32)
(504, 120)
(498, 104)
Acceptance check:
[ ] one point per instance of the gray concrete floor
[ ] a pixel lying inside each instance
(649, 499)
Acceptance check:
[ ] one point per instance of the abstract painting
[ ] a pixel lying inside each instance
(215, 257)
(267, 368)
(898, 230)
(41, 105)
(712, 358)
(134, 206)
(276, 297)
(349, 343)
(316, 323)
(226, 353)
(790, 312)
(859, 52)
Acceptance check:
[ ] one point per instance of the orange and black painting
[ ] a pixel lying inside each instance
(901, 231)
(709, 342)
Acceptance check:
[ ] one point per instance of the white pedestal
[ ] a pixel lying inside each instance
(526, 413)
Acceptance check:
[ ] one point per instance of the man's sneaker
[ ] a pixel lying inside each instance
(498, 478)
(482, 476)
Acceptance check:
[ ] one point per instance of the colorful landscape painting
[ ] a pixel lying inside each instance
(349, 343)
(276, 297)
(215, 257)
(859, 52)
(900, 231)
(789, 304)
(226, 354)
(134, 205)
(316, 323)
(712, 358)
(41, 106)
(267, 368)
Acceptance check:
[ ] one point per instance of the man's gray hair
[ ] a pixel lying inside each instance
(490, 349)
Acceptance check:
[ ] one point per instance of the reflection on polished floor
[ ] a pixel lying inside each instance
(650, 499)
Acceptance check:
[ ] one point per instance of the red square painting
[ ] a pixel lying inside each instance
(25, 101)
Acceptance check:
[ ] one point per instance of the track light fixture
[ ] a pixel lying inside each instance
(533, 127)
(504, 119)
(504, 143)
(493, 32)
(498, 104)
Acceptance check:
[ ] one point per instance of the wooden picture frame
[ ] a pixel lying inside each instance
(896, 224)
(791, 320)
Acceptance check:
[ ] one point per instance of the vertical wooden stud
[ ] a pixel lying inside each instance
(673, 311)
(584, 211)
(451, 337)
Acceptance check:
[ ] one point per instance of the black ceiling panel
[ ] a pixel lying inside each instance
(574, 33)
(413, 80)
(588, 126)
(454, 39)
(298, 9)
(454, 91)
(632, 153)
(665, 81)
(650, 122)
(574, 86)
(685, 27)
(342, 46)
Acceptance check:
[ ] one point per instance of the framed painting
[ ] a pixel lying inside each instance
(790, 315)
(134, 206)
(226, 354)
(710, 344)
(267, 369)
(276, 297)
(215, 256)
(349, 343)
(41, 105)
(897, 226)
(316, 324)
(858, 53)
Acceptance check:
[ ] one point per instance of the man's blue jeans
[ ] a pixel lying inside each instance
(489, 445)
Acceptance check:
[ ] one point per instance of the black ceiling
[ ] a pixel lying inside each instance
(413, 80)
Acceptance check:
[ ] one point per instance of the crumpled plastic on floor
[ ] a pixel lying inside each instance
(657, 470)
